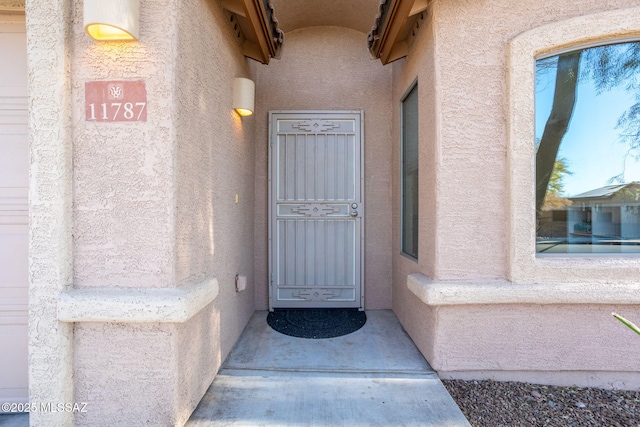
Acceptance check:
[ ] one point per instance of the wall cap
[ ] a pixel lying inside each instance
(139, 305)
(438, 292)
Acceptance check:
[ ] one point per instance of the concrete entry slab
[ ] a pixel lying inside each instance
(380, 345)
(374, 376)
(251, 398)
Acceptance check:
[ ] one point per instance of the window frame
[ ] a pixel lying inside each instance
(525, 265)
(589, 204)
(412, 87)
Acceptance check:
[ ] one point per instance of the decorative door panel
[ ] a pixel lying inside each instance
(316, 209)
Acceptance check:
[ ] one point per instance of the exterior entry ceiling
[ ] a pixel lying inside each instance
(355, 14)
(389, 23)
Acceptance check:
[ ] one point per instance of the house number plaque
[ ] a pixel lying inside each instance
(116, 101)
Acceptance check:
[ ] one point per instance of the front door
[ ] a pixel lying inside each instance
(14, 213)
(316, 209)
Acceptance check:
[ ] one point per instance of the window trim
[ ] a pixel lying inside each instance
(412, 86)
(587, 202)
(524, 264)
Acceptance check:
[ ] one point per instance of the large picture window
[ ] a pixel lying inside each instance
(587, 153)
(410, 173)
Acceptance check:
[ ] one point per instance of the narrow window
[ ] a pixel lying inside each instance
(410, 173)
(588, 150)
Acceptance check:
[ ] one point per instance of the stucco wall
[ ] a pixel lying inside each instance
(124, 188)
(564, 347)
(155, 207)
(176, 367)
(215, 160)
(124, 173)
(120, 365)
(473, 92)
(405, 72)
(50, 206)
(328, 68)
(472, 238)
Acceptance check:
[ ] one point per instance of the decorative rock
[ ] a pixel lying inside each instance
(492, 403)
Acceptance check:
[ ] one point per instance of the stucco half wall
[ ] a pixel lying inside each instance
(479, 303)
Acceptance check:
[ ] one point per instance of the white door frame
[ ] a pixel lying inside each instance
(350, 211)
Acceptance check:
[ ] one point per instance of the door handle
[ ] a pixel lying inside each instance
(354, 213)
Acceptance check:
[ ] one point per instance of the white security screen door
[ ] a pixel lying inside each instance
(14, 210)
(316, 209)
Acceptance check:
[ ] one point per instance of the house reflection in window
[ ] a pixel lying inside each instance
(588, 150)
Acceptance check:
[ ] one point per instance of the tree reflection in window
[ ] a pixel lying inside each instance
(588, 150)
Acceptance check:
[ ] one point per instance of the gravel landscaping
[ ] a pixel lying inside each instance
(494, 404)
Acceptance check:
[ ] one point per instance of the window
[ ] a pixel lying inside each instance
(598, 272)
(587, 150)
(409, 168)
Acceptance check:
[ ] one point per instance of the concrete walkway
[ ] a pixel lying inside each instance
(372, 377)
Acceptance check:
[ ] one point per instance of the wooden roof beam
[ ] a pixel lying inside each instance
(388, 37)
(262, 39)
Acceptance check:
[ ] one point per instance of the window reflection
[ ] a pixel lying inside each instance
(588, 150)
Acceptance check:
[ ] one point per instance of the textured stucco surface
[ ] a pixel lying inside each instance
(117, 366)
(124, 173)
(481, 235)
(50, 206)
(581, 343)
(471, 46)
(124, 189)
(328, 68)
(201, 352)
(155, 217)
(165, 305)
(438, 293)
(215, 161)
(417, 318)
(168, 381)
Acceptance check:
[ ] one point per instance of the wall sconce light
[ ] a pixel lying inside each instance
(243, 96)
(117, 20)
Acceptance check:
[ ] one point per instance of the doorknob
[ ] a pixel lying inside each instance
(354, 213)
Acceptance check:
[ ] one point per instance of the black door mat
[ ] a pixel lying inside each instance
(316, 323)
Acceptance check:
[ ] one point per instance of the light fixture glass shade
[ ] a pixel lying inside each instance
(243, 96)
(112, 19)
